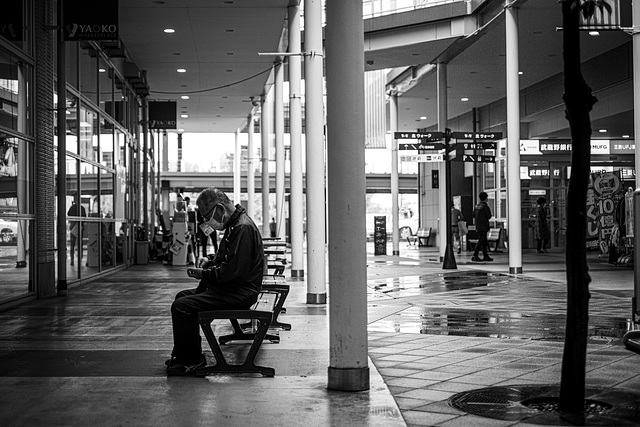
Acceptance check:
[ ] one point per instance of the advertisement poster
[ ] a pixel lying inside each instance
(603, 194)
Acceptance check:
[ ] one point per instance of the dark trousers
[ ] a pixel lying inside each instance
(184, 316)
(542, 244)
(482, 244)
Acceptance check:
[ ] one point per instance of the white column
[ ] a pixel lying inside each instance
(295, 131)
(237, 169)
(314, 114)
(280, 157)
(265, 130)
(251, 177)
(395, 181)
(348, 347)
(636, 83)
(513, 141)
(167, 211)
(442, 189)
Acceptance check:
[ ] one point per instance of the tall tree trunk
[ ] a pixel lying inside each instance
(578, 101)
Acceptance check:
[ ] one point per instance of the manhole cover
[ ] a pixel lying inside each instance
(518, 403)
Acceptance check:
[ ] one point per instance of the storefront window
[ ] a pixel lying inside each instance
(89, 74)
(105, 84)
(106, 143)
(88, 138)
(72, 64)
(489, 176)
(72, 131)
(14, 75)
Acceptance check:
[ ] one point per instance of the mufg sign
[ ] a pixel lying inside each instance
(98, 22)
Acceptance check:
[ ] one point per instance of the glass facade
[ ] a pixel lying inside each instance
(102, 126)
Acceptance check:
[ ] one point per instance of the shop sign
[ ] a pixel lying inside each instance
(604, 193)
(162, 114)
(11, 20)
(98, 22)
(555, 147)
(623, 147)
(600, 146)
(529, 146)
(613, 15)
(422, 158)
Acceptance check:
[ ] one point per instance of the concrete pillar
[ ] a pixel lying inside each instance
(237, 169)
(281, 231)
(167, 211)
(251, 177)
(348, 348)
(441, 71)
(395, 180)
(295, 132)
(61, 237)
(265, 130)
(145, 166)
(314, 114)
(636, 84)
(513, 141)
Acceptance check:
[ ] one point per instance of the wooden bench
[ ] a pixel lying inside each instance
(493, 237)
(423, 236)
(275, 251)
(262, 315)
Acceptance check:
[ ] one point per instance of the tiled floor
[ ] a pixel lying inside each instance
(96, 356)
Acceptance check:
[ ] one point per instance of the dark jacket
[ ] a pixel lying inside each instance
(482, 215)
(239, 264)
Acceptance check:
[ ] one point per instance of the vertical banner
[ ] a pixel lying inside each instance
(603, 195)
(97, 21)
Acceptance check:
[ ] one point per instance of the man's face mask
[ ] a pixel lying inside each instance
(216, 220)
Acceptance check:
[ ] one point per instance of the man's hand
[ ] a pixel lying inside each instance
(202, 262)
(196, 273)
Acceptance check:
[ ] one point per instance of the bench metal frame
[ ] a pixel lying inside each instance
(263, 318)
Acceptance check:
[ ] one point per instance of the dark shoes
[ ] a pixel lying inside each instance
(176, 367)
(476, 259)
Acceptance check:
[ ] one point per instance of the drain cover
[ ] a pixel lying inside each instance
(506, 403)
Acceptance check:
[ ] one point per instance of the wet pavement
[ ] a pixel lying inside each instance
(97, 356)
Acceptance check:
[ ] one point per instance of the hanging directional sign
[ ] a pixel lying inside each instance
(478, 145)
(476, 135)
(478, 158)
(429, 136)
(422, 158)
(421, 146)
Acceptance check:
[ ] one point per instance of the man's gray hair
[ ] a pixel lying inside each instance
(212, 196)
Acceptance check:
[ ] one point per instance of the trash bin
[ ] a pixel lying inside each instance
(142, 252)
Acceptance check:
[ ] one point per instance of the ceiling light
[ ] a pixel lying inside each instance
(520, 73)
(185, 97)
(181, 70)
(626, 136)
(602, 130)
(184, 116)
(169, 30)
(423, 118)
(464, 99)
(594, 33)
(102, 70)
